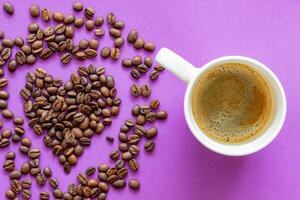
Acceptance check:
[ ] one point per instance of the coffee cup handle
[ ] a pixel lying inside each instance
(175, 64)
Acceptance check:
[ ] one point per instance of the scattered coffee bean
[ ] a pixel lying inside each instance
(114, 155)
(139, 43)
(127, 62)
(19, 41)
(46, 15)
(154, 104)
(10, 194)
(110, 139)
(9, 165)
(135, 90)
(26, 194)
(6, 42)
(89, 25)
(99, 21)
(47, 171)
(111, 18)
(137, 60)
(25, 168)
(89, 12)
(149, 46)
(26, 184)
(133, 164)
(119, 184)
(105, 52)
(10, 155)
(115, 53)
(9, 9)
(154, 75)
(132, 36)
(69, 19)
(99, 32)
(142, 68)
(44, 196)
(135, 73)
(90, 171)
(119, 42)
(58, 16)
(162, 114)
(78, 6)
(149, 145)
(6, 113)
(134, 184)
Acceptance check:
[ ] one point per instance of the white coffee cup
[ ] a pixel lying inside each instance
(190, 74)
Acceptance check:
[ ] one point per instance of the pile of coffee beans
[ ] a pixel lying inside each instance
(70, 113)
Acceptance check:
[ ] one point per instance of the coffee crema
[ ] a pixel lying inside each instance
(232, 103)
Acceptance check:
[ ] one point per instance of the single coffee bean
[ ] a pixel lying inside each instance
(58, 16)
(10, 194)
(9, 9)
(99, 21)
(135, 110)
(53, 183)
(94, 44)
(142, 68)
(99, 32)
(11, 155)
(151, 116)
(84, 44)
(119, 184)
(69, 33)
(89, 25)
(69, 19)
(111, 18)
(149, 146)
(102, 176)
(6, 42)
(26, 49)
(127, 62)
(66, 58)
(26, 184)
(9, 165)
(115, 53)
(135, 73)
(122, 173)
(103, 167)
(72, 159)
(44, 196)
(8, 114)
(57, 193)
(20, 58)
(119, 42)
(89, 12)
(119, 25)
(26, 142)
(137, 60)
(114, 32)
(78, 6)
(40, 180)
(129, 123)
(120, 164)
(133, 164)
(154, 75)
(34, 153)
(154, 104)
(126, 156)
(16, 174)
(47, 171)
(135, 90)
(26, 194)
(3, 104)
(33, 27)
(159, 68)
(46, 15)
(149, 46)
(132, 36)
(34, 10)
(134, 184)
(148, 61)
(25, 168)
(67, 168)
(90, 171)
(6, 133)
(24, 149)
(17, 120)
(162, 114)
(123, 147)
(114, 155)
(110, 139)
(151, 133)
(19, 41)
(139, 43)
(79, 22)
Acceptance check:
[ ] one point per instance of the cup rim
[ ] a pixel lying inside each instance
(251, 146)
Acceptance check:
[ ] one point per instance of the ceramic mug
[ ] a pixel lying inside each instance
(190, 74)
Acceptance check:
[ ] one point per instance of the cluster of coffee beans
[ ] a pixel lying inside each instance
(70, 113)
(137, 90)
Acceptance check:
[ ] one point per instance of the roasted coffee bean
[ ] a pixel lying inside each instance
(69, 33)
(120, 164)
(89, 12)
(25, 168)
(3, 104)
(133, 164)
(119, 25)
(17, 120)
(16, 138)
(149, 145)
(134, 184)
(66, 58)
(1, 72)
(99, 32)
(94, 44)
(134, 139)
(139, 43)
(57, 193)
(40, 180)
(6, 133)
(103, 167)
(151, 116)
(159, 68)
(6, 113)
(15, 175)
(119, 184)
(142, 68)
(82, 179)
(127, 62)
(123, 147)
(47, 171)
(26, 194)
(149, 46)
(25, 141)
(19, 41)
(154, 75)
(115, 53)
(137, 60)
(135, 73)
(79, 22)
(134, 150)
(53, 183)
(112, 178)
(151, 133)
(123, 137)
(34, 153)
(34, 10)
(132, 36)
(20, 58)
(26, 49)
(135, 110)
(1, 34)
(135, 90)
(115, 32)
(84, 44)
(122, 173)
(162, 114)
(69, 19)
(9, 165)
(44, 196)
(6, 42)
(126, 156)
(24, 149)
(33, 27)
(15, 186)
(6, 53)
(10, 194)
(9, 9)
(46, 53)
(111, 18)
(78, 6)
(114, 155)
(11, 155)
(140, 119)
(154, 104)
(58, 16)
(72, 159)
(67, 168)
(90, 171)
(89, 25)
(146, 90)
(119, 42)
(46, 15)
(26, 184)
(90, 53)
(144, 109)
(110, 139)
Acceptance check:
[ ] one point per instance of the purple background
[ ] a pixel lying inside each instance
(181, 168)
